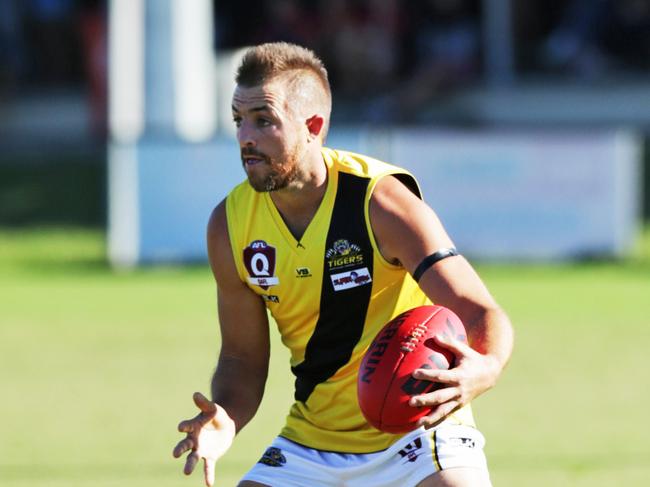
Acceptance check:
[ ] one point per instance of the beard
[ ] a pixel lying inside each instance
(277, 175)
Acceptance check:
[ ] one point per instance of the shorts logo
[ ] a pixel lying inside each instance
(343, 254)
(411, 451)
(350, 279)
(273, 457)
(259, 260)
(463, 442)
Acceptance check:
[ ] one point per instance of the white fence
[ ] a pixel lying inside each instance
(506, 196)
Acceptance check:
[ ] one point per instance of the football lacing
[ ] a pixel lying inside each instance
(413, 338)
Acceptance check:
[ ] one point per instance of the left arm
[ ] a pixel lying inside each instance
(407, 230)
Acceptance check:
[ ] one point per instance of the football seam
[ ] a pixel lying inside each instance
(381, 416)
(383, 403)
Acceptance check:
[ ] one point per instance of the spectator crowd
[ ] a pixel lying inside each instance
(394, 56)
(384, 56)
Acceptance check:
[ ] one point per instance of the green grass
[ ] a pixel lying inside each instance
(98, 367)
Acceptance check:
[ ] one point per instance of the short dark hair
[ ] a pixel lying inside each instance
(304, 73)
(266, 61)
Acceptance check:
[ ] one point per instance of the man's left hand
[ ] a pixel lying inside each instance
(473, 374)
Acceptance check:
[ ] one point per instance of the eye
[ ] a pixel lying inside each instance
(263, 122)
(237, 121)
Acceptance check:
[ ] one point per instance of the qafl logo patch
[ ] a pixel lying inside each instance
(259, 260)
(343, 254)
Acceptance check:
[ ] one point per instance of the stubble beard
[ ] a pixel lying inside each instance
(279, 176)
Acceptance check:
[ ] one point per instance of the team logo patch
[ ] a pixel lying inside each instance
(271, 298)
(412, 451)
(273, 457)
(343, 254)
(259, 260)
(350, 279)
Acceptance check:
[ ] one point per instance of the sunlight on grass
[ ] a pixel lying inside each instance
(99, 367)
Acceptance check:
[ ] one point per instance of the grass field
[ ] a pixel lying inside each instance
(98, 367)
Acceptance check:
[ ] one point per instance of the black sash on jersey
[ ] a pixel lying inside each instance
(343, 312)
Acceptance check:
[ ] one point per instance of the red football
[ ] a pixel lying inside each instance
(385, 383)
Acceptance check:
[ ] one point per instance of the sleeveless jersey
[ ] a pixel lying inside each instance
(329, 293)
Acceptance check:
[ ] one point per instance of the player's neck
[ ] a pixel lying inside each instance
(298, 203)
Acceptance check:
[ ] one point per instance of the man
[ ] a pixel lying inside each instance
(306, 217)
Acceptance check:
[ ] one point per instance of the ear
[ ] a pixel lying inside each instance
(315, 125)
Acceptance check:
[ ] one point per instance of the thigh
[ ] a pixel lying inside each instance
(458, 477)
(250, 483)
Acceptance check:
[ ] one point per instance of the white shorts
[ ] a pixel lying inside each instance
(407, 462)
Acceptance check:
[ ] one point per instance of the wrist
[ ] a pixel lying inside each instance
(493, 366)
(223, 420)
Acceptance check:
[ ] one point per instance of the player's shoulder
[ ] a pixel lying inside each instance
(395, 198)
(358, 164)
(371, 168)
(218, 222)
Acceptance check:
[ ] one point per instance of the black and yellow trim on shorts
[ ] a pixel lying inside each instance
(434, 450)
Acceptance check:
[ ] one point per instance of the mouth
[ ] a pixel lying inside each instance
(251, 157)
(251, 161)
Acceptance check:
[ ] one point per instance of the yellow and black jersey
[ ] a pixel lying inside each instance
(329, 292)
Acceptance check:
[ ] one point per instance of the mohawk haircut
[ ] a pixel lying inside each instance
(304, 73)
(267, 61)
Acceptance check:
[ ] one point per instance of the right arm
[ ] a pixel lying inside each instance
(239, 379)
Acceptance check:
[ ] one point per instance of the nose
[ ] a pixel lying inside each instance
(245, 136)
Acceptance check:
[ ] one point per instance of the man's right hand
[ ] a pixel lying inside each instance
(209, 435)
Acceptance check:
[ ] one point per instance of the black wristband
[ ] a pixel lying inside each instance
(432, 259)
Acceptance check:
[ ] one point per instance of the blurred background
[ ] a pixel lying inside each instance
(527, 123)
(560, 64)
